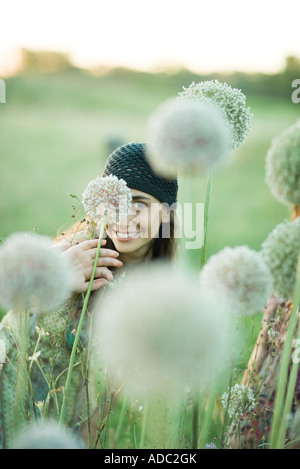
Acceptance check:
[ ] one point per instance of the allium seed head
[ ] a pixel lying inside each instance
(158, 334)
(32, 273)
(107, 194)
(280, 252)
(283, 166)
(231, 103)
(236, 280)
(187, 136)
(238, 400)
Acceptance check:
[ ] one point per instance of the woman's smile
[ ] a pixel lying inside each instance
(125, 235)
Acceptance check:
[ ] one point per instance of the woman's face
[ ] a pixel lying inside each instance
(136, 232)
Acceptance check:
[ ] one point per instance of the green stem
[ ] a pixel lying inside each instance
(22, 372)
(207, 419)
(278, 424)
(121, 417)
(143, 430)
(195, 408)
(80, 324)
(206, 217)
(195, 420)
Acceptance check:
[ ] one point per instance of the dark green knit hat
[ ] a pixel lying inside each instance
(129, 162)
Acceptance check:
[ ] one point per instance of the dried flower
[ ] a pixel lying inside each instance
(187, 136)
(283, 166)
(236, 280)
(32, 273)
(41, 332)
(231, 103)
(158, 333)
(35, 356)
(107, 194)
(238, 400)
(280, 252)
(40, 406)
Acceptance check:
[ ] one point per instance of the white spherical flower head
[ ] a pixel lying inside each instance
(48, 435)
(283, 166)
(240, 399)
(32, 273)
(237, 281)
(107, 195)
(187, 136)
(158, 333)
(230, 101)
(280, 252)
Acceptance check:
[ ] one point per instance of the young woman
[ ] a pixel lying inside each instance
(146, 234)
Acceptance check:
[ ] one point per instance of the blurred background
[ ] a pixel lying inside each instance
(82, 78)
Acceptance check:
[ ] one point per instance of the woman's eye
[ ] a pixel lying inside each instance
(139, 205)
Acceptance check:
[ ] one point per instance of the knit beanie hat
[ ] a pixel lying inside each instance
(129, 162)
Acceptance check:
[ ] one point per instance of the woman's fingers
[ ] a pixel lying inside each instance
(104, 272)
(82, 257)
(97, 283)
(109, 262)
(91, 243)
(103, 253)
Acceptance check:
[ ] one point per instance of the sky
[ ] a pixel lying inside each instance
(204, 36)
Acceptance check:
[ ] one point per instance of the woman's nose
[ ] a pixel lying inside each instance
(127, 220)
(122, 223)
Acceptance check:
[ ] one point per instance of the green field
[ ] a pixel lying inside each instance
(55, 134)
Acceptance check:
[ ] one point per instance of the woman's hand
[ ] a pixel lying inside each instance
(82, 258)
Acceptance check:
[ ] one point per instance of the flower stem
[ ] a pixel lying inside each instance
(206, 217)
(143, 430)
(195, 420)
(22, 372)
(208, 417)
(196, 403)
(80, 324)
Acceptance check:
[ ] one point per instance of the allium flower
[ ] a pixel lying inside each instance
(241, 400)
(32, 273)
(158, 333)
(48, 435)
(283, 166)
(187, 136)
(280, 252)
(231, 102)
(236, 280)
(109, 195)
